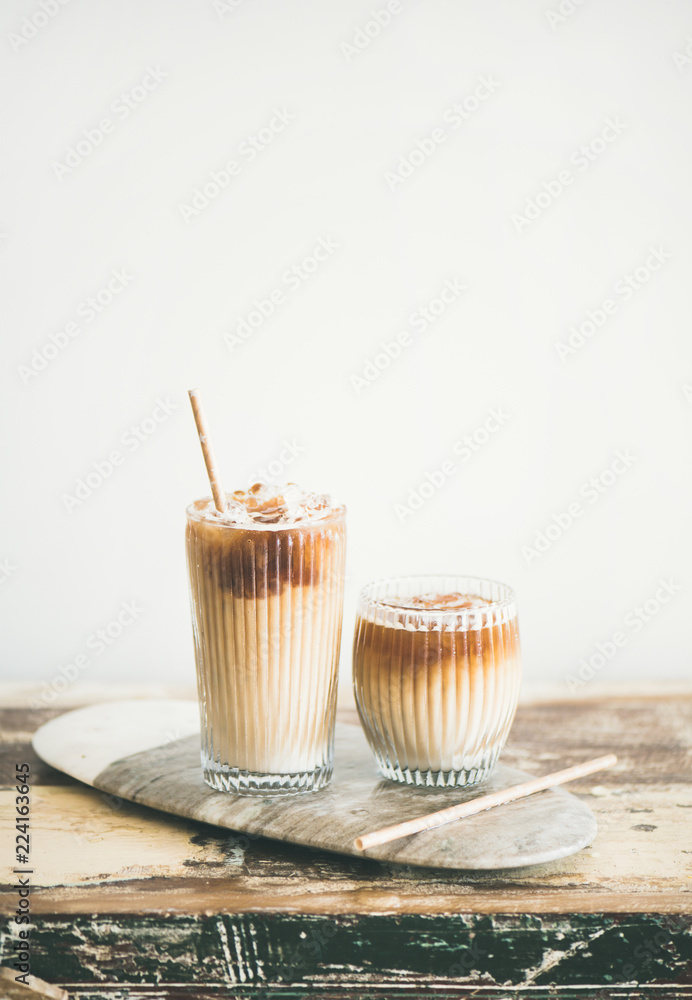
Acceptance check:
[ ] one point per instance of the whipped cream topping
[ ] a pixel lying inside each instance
(436, 602)
(273, 505)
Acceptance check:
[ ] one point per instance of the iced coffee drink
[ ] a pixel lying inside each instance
(266, 587)
(436, 669)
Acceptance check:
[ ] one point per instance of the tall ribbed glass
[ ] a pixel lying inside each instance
(436, 689)
(266, 614)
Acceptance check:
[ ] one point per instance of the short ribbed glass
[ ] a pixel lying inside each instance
(266, 615)
(436, 690)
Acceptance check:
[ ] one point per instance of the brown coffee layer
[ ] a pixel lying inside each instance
(387, 650)
(434, 699)
(255, 562)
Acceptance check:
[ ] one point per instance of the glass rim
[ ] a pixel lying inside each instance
(364, 598)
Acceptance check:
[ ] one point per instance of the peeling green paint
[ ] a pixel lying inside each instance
(258, 951)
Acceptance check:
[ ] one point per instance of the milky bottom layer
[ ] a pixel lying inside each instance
(266, 671)
(436, 706)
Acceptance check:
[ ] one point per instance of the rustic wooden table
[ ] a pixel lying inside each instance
(129, 904)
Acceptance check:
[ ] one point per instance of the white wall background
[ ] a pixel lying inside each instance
(227, 66)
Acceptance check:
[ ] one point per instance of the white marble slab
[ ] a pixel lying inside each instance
(85, 741)
(148, 752)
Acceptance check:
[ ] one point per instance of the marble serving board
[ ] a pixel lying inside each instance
(148, 752)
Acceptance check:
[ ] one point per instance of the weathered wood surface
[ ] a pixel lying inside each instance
(136, 750)
(131, 903)
(34, 989)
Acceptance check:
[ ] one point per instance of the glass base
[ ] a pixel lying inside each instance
(438, 779)
(232, 779)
